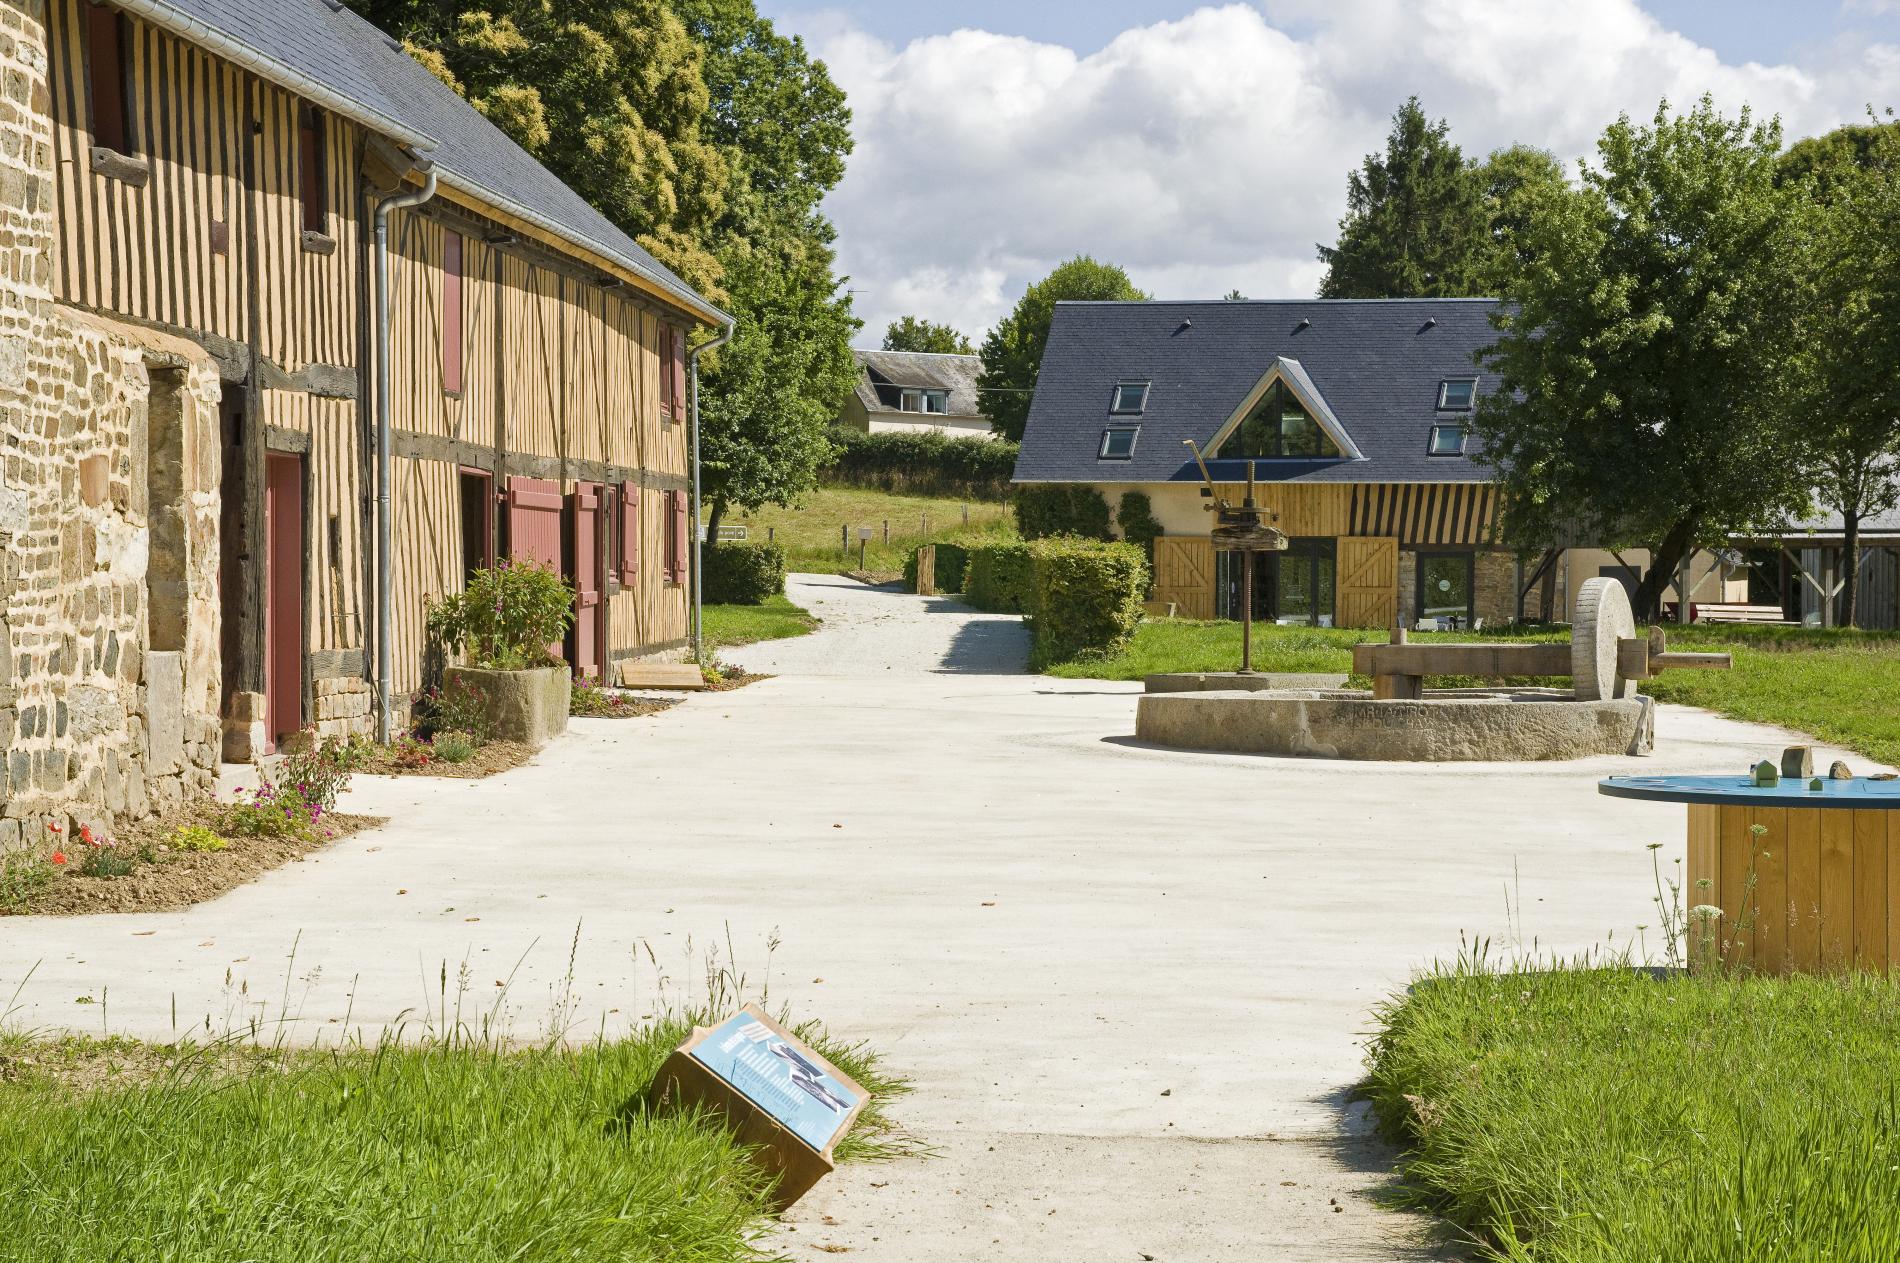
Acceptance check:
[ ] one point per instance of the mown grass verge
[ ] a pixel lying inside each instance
(1602, 1116)
(1840, 686)
(457, 1153)
(775, 619)
(809, 532)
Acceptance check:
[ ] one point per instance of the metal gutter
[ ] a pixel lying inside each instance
(170, 17)
(725, 336)
(384, 534)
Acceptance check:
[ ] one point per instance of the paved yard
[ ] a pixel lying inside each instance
(1130, 984)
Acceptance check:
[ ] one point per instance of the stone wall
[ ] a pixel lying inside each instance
(108, 478)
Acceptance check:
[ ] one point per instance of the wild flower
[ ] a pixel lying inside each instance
(58, 857)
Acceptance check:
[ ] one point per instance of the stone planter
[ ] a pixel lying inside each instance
(525, 706)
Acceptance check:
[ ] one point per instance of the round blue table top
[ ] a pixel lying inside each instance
(1860, 794)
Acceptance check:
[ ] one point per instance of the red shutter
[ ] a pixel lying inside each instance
(666, 372)
(676, 538)
(679, 375)
(629, 533)
(452, 312)
(534, 521)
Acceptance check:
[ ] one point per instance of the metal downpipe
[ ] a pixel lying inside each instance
(384, 543)
(698, 611)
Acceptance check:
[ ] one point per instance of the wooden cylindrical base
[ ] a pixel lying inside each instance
(1811, 891)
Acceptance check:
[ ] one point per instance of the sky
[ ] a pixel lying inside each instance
(1205, 147)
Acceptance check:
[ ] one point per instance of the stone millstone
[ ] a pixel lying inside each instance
(1603, 617)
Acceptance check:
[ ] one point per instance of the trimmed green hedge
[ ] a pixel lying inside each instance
(743, 572)
(923, 464)
(996, 578)
(1140, 527)
(1053, 508)
(952, 559)
(1087, 598)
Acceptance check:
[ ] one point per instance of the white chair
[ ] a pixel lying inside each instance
(1425, 624)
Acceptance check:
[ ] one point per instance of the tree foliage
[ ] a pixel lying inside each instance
(912, 334)
(1849, 350)
(1644, 394)
(1012, 352)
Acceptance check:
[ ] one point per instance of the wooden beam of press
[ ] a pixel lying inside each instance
(1438, 659)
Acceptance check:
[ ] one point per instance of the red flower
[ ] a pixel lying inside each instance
(85, 835)
(53, 828)
(59, 857)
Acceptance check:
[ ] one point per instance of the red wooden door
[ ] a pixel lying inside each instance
(534, 521)
(283, 594)
(588, 639)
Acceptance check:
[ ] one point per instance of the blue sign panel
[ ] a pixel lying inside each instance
(776, 1075)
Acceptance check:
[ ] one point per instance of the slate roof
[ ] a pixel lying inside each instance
(1829, 527)
(885, 373)
(281, 40)
(1377, 363)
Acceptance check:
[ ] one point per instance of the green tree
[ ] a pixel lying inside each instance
(1012, 353)
(1644, 393)
(1415, 224)
(610, 95)
(782, 127)
(912, 334)
(1849, 347)
(1511, 182)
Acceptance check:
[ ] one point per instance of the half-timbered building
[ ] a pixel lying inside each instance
(218, 165)
(1354, 417)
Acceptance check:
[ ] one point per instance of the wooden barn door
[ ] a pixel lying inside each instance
(1184, 574)
(1368, 580)
(283, 595)
(587, 642)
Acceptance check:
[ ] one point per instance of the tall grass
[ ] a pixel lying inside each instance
(809, 531)
(1603, 1115)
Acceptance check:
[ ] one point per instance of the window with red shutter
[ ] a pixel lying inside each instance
(680, 400)
(452, 312)
(105, 78)
(676, 526)
(666, 372)
(629, 533)
(312, 170)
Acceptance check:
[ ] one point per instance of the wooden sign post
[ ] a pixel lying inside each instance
(927, 570)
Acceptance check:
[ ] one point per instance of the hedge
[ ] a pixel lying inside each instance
(742, 572)
(1140, 527)
(925, 463)
(1046, 509)
(996, 578)
(1087, 598)
(951, 561)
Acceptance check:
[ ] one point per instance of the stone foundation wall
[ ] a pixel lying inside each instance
(99, 717)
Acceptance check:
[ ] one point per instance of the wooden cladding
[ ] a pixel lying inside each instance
(1815, 891)
(1184, 574)
(452, 311)
(1368, 581)
(1424, 513)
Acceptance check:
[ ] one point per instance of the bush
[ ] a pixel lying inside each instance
(742, 572)
(458, 706)
(1087, 598)
(195, 839)
(923, 464)
(506, 616)
(451, 745)
(1140, 527)
(996, 577)
(1061, 509)
(952, 561)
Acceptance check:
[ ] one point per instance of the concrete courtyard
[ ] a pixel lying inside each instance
(1130, 986)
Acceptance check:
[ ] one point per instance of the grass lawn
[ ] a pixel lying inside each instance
(809, 532)
(1603, 1116)
(470, 1154)
(1840, 686)
(776, 619)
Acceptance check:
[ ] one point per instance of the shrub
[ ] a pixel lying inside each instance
(1087, 598)
(453, 746)
(1140, 527)
(458, 706)
(1061, 509)
(952, 560)
(742, 572)
(587, 699)
(506, 616)
(195, 839)
(997, 576)
(320, 770)
(923, 464)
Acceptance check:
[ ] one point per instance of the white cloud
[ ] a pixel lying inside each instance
(1211, 153)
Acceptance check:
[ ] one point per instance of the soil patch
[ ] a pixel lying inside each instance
(625, 706)
(414, 759)
(178, 879)
(877, 578)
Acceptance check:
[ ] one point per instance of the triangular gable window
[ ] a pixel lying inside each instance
(1284, 417)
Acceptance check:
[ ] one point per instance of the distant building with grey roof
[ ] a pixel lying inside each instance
(916, 392)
